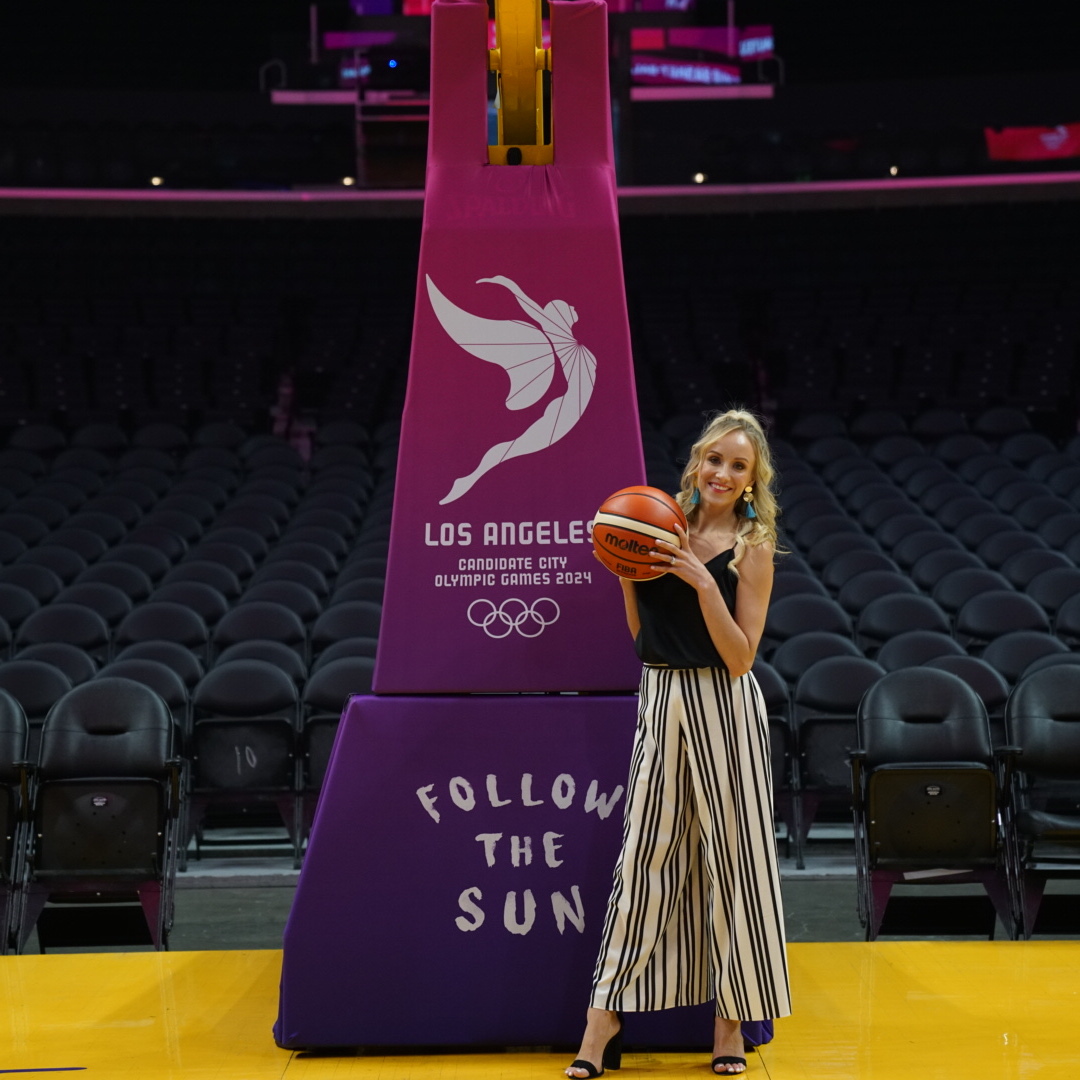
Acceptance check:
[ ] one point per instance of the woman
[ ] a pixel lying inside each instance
(695, 911)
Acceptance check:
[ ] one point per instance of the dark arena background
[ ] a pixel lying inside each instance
(860, 222)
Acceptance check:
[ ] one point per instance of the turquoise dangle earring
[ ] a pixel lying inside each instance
(695, 498)
(748, 499)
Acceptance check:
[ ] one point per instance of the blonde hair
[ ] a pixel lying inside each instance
(754, 531)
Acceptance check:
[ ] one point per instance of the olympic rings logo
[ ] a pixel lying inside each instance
(529, 620)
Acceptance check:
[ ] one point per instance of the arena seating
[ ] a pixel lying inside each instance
(918, 367)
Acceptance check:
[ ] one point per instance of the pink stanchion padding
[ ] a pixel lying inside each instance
(520, 416)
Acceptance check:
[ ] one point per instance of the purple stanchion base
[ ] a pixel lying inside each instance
(457, 876)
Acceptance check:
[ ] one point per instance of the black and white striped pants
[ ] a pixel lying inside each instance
(695, 911)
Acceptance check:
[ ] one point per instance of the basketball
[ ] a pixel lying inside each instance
(627, 526)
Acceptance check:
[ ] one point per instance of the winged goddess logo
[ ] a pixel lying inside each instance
(529, 353)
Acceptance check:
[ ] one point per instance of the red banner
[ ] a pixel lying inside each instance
(1033, 143)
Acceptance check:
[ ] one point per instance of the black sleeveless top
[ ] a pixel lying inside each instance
(673, 630)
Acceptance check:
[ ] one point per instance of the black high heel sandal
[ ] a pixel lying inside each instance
(727, 1059)
(611, 1059)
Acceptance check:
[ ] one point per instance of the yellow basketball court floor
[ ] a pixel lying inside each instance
(1000, 1010)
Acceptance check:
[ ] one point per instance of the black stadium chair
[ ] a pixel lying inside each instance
(955, 512)
(251, 542)
(894, 530)
(261, 620)
(361, 618)
(110, 602)
(273, 652)
(866, 587)
(164, 620)
(1014, 652)
(777, 698)
(174, 656)
(1058, 530)
(1053, 587)
(893, 614)
(130, 580)
(790, 616)
(873, 516)
(300, 572)
(998, 548)
(916, 545)
(110, 524)
(30, 530)
(296, 597)
(209, 573)
(374, 589)
(77, 664)
(1024, 566)
(72, 623)
(823, 553)
(163, 680)
(244, 744)
(13, 828)
(230, 556)
(990, 614)
(817, 528)
(796, 655)
(106, 804)
(934, 565)
(955, 589)
(928, 795)
(152, 562)
(173, 546)
(324, 699)
(36, 686)
(89, 546)
(972, 531)
(302, 551)
(911, 648)
(353, 646)
(11, 547)
(825, 701)
(841, 569)
(16, 603)
(66, 563)
(209, 604)
(986, 682)
(1043, 722)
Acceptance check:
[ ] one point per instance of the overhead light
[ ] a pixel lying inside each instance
(893, 170)
(348, 181)
(156, 181)
(700, 178)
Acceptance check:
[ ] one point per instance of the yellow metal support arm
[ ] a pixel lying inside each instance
(519, 61)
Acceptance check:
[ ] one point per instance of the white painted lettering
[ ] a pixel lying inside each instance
(510, 916)
(493, 791)
(521, 850)
(462, 793)
(489, 840)
(550, 848)
(562, 791)
(465, 902)
(602, 804)
(562, 910)
(526, 791)
(427, 801)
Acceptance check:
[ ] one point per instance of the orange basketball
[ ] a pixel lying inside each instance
(627, 526)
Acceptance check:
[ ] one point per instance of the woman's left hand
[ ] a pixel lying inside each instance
(683, 563)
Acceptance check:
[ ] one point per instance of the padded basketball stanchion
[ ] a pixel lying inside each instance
(459, 866)
(520, 415)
